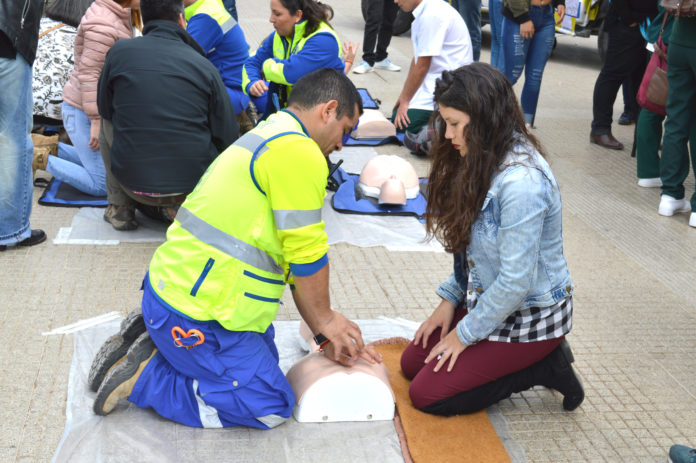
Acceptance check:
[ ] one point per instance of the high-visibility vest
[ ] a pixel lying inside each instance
(216, 10)
(283, 49)
(228, 251)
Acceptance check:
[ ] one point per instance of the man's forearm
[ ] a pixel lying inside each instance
(311, 297)
(416, 76)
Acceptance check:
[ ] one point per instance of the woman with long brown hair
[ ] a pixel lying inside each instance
(494, 203)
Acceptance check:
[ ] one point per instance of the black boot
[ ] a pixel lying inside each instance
(553, 371)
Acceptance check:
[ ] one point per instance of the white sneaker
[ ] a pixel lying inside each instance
(650, 182)
(363, 67)
(387, 65)
(669, 205)
(692, 219)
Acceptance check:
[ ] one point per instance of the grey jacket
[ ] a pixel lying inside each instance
(19, 21)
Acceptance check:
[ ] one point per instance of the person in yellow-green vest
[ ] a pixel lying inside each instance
(223, 42)
(252, 226)
(302, 42)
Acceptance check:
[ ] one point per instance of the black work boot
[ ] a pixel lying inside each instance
(120, 381)
(114, 350)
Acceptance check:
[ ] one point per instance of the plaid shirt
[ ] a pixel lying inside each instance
(530, 324)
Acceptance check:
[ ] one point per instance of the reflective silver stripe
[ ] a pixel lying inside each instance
(228, 25)
(226, 243)
(208, 415)
(250, 141)
(272, 420)
(287, 219)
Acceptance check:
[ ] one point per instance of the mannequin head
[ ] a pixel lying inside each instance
(389, 178)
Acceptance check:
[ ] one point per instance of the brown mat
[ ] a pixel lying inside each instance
(462, 438)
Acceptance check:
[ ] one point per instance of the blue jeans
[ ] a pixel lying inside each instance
(78, 165)
(470, 10)
(529, 55)
(495, 16)
(16, 150)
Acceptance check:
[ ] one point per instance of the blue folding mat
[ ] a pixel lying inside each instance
(60, 194)
(371, 103)
(349, 199)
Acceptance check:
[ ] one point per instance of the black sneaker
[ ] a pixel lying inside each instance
(114, 350)
(627, 119)
(37, 236)
(119, 383)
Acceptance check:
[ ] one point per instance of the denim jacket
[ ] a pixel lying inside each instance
(516, 251)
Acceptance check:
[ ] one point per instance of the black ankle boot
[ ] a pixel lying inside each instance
(557, 373)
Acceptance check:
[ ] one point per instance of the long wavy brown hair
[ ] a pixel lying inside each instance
(458, 184)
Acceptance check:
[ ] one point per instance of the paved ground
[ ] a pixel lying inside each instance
(634, 302)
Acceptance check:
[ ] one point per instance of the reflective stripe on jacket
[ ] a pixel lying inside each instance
(215, 10)
(256, 211)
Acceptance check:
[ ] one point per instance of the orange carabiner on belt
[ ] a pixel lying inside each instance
(178, 334)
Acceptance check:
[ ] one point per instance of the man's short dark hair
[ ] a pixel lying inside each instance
(161, 9)
(324, 85)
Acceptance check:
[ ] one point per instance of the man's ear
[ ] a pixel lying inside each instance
(329, 109)
(182, 21)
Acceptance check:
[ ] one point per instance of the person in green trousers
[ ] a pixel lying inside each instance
(649, 128)
(681, 119)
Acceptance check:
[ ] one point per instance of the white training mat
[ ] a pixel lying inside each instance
(133, 434)
(89, 227)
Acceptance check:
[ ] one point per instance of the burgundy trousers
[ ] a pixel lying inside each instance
(479, 364)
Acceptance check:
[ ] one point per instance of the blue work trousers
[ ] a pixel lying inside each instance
(529, 55)
(231, 379)
(16, 150)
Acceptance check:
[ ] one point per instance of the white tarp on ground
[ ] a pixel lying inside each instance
(133, 434)
(395, 233)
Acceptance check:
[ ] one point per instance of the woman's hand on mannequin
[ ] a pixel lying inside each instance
(527, 29)
(447, 349)
(561, 13)
(441, 318)
(258, 88)
(93, 143)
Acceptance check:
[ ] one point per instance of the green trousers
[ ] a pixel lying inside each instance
(681, 117)
(648, 138)
(419, 118)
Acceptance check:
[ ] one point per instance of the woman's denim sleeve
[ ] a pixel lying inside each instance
(524, 198)
(451, 291)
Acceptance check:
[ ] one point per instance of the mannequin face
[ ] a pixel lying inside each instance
(455, 121)
(283, 22)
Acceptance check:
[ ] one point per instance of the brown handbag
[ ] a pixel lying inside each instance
(679, 7)
(652, 93)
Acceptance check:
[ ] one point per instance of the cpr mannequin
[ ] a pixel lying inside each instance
(327, 391)
(373, 125)
(389, 178)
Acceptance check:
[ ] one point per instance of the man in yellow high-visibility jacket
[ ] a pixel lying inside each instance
(252, 225)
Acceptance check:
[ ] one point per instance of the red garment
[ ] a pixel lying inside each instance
(479, 364)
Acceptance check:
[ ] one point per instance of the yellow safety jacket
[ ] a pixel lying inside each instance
(253, 220)
(280, 48)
